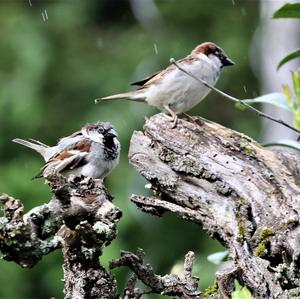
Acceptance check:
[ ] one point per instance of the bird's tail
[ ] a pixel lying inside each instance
(35, 145)
(137, 95)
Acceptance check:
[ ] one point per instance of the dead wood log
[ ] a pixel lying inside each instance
(245, 195)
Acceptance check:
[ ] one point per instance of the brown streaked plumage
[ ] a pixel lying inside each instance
(158, 76)
(93, 151)
(61, 156)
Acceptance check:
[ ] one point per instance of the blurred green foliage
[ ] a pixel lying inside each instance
(52, 69)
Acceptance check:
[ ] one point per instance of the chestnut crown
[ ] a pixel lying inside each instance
(209, 48)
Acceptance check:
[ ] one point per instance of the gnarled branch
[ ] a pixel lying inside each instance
(246, 196)
(183, 285)
(80, 218)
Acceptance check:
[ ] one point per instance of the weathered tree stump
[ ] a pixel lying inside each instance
(245, 195)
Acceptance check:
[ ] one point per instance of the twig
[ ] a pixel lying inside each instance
(233, 99)
(184, 285)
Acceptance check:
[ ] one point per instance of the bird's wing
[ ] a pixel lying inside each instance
(159, 75)
(71, 157)
(67, 160)
(70, 141)
(145, 80)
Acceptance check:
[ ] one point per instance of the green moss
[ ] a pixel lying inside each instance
(263, 239)
(243, 201)
(241, 214)
(266, 233)
(241, 227)
(210, 290)
(260, 249)
(246, 147)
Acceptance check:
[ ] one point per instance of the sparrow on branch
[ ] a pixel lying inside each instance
(172, 90)
(93, 151)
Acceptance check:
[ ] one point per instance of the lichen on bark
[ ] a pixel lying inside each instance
(246, 196)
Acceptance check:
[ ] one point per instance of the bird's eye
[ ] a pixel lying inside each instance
(100, 130)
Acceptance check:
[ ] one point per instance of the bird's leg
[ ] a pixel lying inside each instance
(189, 117)
(173, 114)
(196, 121)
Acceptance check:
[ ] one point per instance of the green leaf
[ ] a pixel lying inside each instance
(285, 142)
(291, 56)
(218, 257)
(296, 82)
(240, 292)
(296, 106)
(240, 106)
(287, 92)
(277, 99)
(289, 10)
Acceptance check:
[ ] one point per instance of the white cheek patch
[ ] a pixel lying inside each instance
(202, 56)
(216, 60)
(95, 136)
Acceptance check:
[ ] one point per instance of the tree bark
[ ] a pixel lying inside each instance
(181, 285)
(80, 218)
(246, 196)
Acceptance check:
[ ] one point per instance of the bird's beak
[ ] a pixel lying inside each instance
(227, 61)
(112, 134)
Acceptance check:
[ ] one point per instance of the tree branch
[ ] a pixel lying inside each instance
(183, 285)
(246, 196)
(80, 218)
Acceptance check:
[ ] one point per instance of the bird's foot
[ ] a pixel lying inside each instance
(195, 121)
(174, 121)
(174, 116)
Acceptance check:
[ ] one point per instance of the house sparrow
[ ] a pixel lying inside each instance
(172, 90)
(93, 151)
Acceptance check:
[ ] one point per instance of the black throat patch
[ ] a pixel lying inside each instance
(110, 148)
